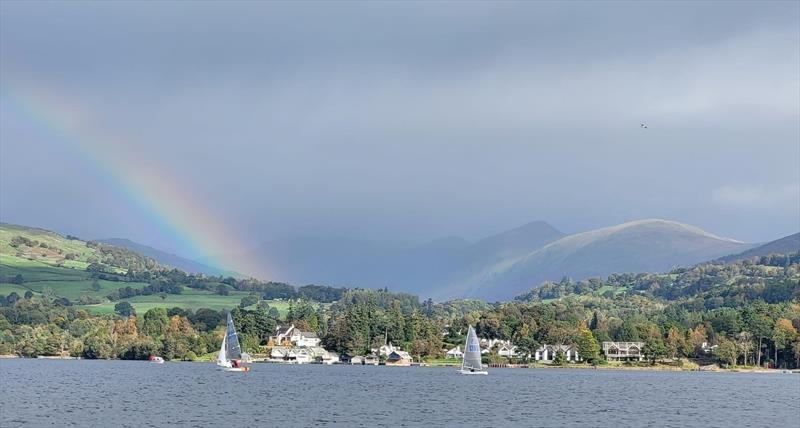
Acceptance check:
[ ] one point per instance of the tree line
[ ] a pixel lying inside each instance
(727, 313)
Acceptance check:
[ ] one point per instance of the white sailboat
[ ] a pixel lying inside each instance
(230, 353)
(471, 364)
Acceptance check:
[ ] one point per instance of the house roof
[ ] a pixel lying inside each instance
(396, 355)
(308, 335)
(283, 330)
(622, 345)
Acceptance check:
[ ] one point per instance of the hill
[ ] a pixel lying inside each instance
(96, 275)
(167, 259)
(646, 245)
(787, 244)
(414, 268)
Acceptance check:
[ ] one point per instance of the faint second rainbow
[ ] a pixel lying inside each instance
(174, 210)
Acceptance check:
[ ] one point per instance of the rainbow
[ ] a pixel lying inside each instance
(174, 210)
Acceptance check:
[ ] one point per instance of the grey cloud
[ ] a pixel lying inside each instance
(412, 121)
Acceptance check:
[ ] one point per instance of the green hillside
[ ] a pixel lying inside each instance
(90, 275)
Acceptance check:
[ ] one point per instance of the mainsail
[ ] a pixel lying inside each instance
(472, 352)
(231, 341)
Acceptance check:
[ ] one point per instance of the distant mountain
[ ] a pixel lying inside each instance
(646, 245)
(787, 244)
(166, 259)
(513, 243)
(401, 267)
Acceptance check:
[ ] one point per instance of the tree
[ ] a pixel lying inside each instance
(248, 300)
(28, 295)
(726, 351)
(675, 342)
(48, 294)
(124, 309)
(796, 349)
(96, 285)
(654, 350)
(95, 267)
(12, 298)
(697, 337)
(783, 334)
(17, 279)
(758, 321)
(222, 290)
(155, 322)
(559, 359)
(588, 348)
(744, 343)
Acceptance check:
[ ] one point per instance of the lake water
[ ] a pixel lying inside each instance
(132, 394)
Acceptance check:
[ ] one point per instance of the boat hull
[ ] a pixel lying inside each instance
(476, 372)
(235, 369)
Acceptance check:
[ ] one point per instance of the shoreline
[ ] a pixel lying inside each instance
(657, 368)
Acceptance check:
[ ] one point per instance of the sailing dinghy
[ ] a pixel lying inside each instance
(472, 355)
(230, 353)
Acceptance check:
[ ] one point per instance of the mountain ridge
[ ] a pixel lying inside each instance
(790, 243)
(166, 258)
(640, 245)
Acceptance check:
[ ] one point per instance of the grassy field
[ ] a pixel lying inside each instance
(43, 267)
(34, 270)
(189, 299)
(6, 289)
(57, 247)
(73, 290)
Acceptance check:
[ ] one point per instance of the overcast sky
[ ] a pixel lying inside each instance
(412, 121)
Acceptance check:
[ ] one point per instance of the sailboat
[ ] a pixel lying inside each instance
(230, 353)
(472, 355)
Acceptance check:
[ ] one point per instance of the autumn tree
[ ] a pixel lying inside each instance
(783, 334)
(674, 342)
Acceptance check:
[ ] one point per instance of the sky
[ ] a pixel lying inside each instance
(164, 122)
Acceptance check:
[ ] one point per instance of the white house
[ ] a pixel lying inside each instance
(507, 350)
(283, 334)
(546, 353)
(623, 350)
(708, 348)
(385, 349)
(455, 353)
(306, 339)
(491, 343)
(289, 334)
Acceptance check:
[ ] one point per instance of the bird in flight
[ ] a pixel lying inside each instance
(643, 126)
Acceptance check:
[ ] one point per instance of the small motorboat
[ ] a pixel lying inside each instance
(156, 359)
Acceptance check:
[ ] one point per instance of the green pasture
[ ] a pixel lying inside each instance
(189, 299)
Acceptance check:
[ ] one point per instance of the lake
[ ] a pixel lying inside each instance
(132, 394)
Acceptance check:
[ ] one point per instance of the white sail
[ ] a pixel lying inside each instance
(472, 352)
(222, 357)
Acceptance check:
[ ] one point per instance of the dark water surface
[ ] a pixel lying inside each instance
(132, 394)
